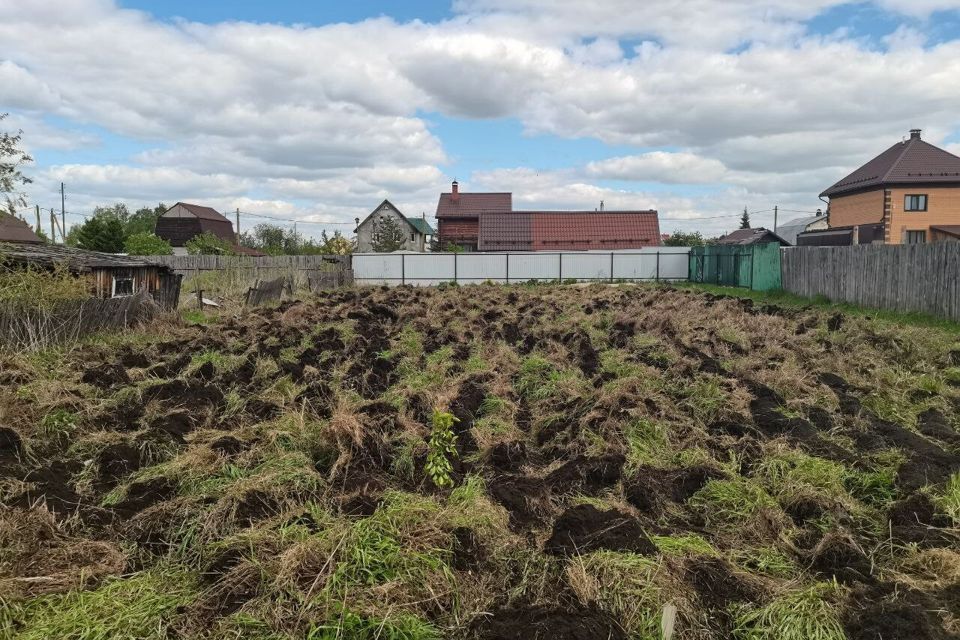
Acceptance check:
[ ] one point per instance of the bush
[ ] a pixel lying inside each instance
(207, 244)
(147, 244)
(38, 288)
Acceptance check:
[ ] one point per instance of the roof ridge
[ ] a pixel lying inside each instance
(907, 145)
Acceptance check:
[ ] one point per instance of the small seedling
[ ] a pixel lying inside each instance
(443, 447)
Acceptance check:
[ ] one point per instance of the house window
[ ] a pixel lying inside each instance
(412, 238)
(916, 237)
(915, 202)
(122, 286)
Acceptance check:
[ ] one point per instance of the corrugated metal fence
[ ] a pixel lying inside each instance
(657, 263)
(916, 277)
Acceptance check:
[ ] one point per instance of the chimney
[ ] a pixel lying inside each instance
(915, 134)
(455, 191)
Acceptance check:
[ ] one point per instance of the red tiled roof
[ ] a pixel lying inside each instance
(13, 229)
(568, 230)
(912, 161)
(470, 205)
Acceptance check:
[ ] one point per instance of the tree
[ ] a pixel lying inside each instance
(208, 244)
(147, 244)
(144, 220)
(272, 240)
(102, 232)
(745, 219)
(684, 239)
(336, 244)
(387, 235)
(12, 157)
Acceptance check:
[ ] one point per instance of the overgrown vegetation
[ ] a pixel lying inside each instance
(485, 462)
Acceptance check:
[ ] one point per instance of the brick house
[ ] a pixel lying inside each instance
(568, 230)
(910, 193)
(458, 215)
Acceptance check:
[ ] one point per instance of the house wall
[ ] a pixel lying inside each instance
(858, 208)
(459, 231)
(413, 240)
(943, 208)
(176, 230)
(144, 279)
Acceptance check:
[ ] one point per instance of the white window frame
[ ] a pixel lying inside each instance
(113, 288)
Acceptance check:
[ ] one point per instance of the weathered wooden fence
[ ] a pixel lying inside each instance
(923, 278)
(25, 328)
(263, 292)
(266, 267)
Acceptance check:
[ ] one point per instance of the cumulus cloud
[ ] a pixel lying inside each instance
(735, 94)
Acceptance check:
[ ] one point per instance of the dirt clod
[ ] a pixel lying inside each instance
(585, 528)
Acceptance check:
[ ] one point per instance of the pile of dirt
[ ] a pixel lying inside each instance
(584, 528)
(548, 623)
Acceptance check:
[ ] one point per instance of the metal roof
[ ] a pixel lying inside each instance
(751, 236)
(470, 205)
(204, 213)
(420, 225)
(13, 229)
(912, 161)
(789, 230)
(568, 230)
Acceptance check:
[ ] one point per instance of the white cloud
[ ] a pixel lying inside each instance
(660, 166)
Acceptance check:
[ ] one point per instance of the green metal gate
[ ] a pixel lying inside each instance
(754, 267)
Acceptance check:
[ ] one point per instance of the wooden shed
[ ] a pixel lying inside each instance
(110, 276)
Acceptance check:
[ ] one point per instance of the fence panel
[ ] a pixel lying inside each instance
(908, 278)
(471, 268)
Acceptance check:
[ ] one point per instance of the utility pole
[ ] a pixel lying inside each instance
(775, 207)
(63, 215)
(53, 226)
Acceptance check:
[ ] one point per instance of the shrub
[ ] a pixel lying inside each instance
(147, 244)
(443, 447)
(208, 244)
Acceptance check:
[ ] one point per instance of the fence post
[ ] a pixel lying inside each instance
(508, 268)
(658, 267)
(611, 266)
(753, 252)
(560, 269)
(403, 269)
(455, 268)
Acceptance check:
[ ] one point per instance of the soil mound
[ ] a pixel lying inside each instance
(587, 474)
(549, 623)
(585, 528)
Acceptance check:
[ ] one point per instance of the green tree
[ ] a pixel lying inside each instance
(101, 232)
(336, 244)
(147, 244)
(208, 244)
(745, 219)
(273, 240)
(144, 220)
(685, 239)
(12, 181)
(387, 235)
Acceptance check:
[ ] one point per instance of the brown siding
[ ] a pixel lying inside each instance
(943, 208)
(859, 208)
(458, 230)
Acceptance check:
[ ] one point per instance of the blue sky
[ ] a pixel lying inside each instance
(317, 111)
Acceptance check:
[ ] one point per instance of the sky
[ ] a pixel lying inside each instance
(317, 111)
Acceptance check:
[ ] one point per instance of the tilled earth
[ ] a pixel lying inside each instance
(627, 456)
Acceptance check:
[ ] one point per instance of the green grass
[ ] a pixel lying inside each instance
(395, 627)
(784, 299)
(684, 545)
(626, 588)
(948, 498)
(139, 607)
(731, 502)
(808, 614)
(647, 444)
(766, 560)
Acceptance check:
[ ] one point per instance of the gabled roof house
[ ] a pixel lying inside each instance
(458, 215)
(417, 231)
(183, 221)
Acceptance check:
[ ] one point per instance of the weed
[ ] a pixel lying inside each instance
(809, 614)
(767, 560)
(684, 544)
(948, 498)
(647, 444)
(58, 422)
(623, 584)
(139, 606)
(442, 447)
(731, 502)
(394, 627)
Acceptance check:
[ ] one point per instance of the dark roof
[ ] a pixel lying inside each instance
(949, 229)
(568, 230)
(789, 230)
(470, 205)
(421, 225)
(204, 213)
(75, 259)
(912, 161)
(751, 236)
(13, 229)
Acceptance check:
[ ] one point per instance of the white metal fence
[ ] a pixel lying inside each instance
(654, 263)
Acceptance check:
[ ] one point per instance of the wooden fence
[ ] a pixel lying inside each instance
(31, 328)
(263, 268)
(921, 278)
